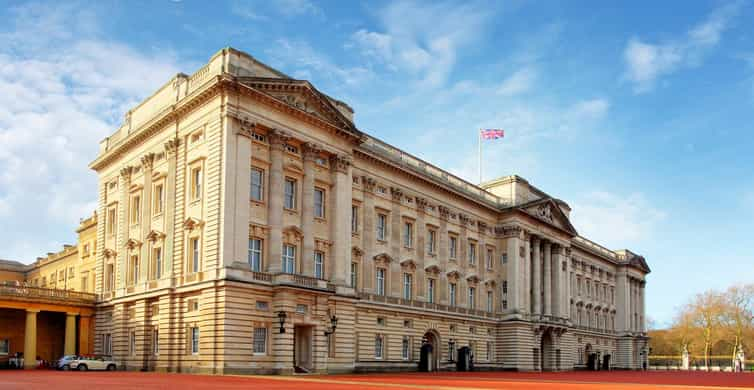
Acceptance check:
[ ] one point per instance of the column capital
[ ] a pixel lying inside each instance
(311, 151)
(245, 127)
(35, 311)
(535, 238)
(444, 212)
(147, 161)
(125, 172)
(421, 204)
(71, 314)
(171, 146)
(340, 163)
(396, 193)
(278, 139)
(368, 183)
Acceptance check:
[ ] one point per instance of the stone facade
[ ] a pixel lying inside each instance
(242, 212)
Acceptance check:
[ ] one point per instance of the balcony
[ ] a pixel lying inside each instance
(14, 291)
(295, 280)
(427, 305)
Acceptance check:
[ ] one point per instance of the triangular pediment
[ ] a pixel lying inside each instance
(546, 210)
(302, 96)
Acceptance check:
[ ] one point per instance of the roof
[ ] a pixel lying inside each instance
(15, 266)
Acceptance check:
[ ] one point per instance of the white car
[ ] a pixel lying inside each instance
(93, 362)
(65, 362)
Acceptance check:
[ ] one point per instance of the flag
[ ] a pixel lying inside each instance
(492, 133)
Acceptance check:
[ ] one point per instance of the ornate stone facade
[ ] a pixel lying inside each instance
(264, 214)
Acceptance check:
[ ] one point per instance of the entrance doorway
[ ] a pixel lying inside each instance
(429, 359)
(548, 351)
(302, 348)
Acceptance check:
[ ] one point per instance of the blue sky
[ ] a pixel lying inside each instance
(637, 115)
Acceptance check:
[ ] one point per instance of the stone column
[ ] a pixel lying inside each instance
(526, 258)
(30, 339)
(122, 228)
(642, 299)
(567, 301)
(622, 301)
(169, 206)
(311, 152)
(236, 205)
(443, 252)
(341, 225)
(85, 334)
(420, 280)
(275, 204)
(536, 277)
(395, 285)
(69, 347)
(547, 283)
(512, 271)
(147, 162)
(368, 234)
(557, 281)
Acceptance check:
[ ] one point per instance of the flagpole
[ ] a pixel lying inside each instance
(479, 138)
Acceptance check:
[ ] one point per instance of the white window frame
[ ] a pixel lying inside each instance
(471, 298)
(453, 247)
(289, 196)
(259, 347)
(408, 234)
(319, 265)
(379, 346)
(406, 348)
(319, 202)
(472, 253)
(256, 190)
(452, 294)
(431, 290)
(289, 259)
(431, 241)
(354, 219)
(195, 340)
(381, 228)
(408, 284)
(255, 254)
(380, 281)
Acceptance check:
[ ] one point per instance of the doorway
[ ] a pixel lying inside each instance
(302, 348)
(548, 351)
(429, 357)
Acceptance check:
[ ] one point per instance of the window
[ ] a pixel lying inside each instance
(84, 283)
(452, 294)
(111, 221)
(262, 305)
(504, 258)
(378, 346)
(132, 343)
(381, 225)
(289, 201)
(380, 281)
(505, 304)
(135, 209)
(289, 259)
(453, 247)
(110, 281)
(406, 348)
(158, 200)
(319, 203)
(489, 301)
(107, 344)
(195, 340)
(408, 234)
(489, 351)
(255, 254)
(194, 246)
(196, 183)
(155, 342)
(472, 298)
(472, 253)
(134, 269)
(431, 290)
(319, 264)
(257, 184)
(505, 287)
(354, 275)
(260, 341)
(4, 347)
(451, 350)
(489, 259)
(380, 321)
(431, 241)
(407, 286)
(156, 263)
(354, 219)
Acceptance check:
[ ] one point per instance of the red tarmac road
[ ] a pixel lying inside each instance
(57, 380)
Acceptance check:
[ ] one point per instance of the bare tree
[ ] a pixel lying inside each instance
(739, 312)
(707, 312)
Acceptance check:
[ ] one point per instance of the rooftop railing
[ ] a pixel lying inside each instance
(12, 289)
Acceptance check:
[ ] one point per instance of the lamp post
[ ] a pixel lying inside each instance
(333, 325)
(281, 320)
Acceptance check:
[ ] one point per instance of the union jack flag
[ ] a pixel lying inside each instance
(492, 133)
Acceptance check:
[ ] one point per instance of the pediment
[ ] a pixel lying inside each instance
(546, 210)
(302, 96)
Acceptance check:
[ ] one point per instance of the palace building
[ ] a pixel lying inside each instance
(246, 225)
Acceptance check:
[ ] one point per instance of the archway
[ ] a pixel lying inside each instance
(429, 359)
(548, 351)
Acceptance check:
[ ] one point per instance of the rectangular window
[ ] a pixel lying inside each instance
(107, 344)
(319, 203)
(111, 221)
(505, 287)
(289, 259)
(504, 258)
(134, 269)
(406, 348)
(431, 290)
(195, 340)
(472, 298)
(4, 347)
(132, 343)
(319, 265)
(472, 253)
(156, 263)
(381, 225)
(354, 275)
(452, 294)
(110, 281)
(453, 247)
(84, 283)
(408, 234)
(195, 254)
(489, 351)
(488, 259)
(354, 219)
(431, 241)
(451, 351)
(407, 286)
(158, 200)
(196, 183)
(380, 281)
(257, 184)
(378, 347)
(489, 301)
(135, 209)
(505, 304)
(255, 254)
(290, 194)
(155, 342)
(260, 341)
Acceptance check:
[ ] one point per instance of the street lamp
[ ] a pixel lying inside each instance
(333, 325)
(281, 319)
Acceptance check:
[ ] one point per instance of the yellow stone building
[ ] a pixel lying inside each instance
(248, 226)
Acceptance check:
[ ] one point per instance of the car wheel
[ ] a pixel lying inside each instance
(83, 367)
(111, 367)
(66, 368)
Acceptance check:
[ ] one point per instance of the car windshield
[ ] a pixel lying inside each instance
(68, 357)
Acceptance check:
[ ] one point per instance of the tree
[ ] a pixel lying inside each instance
(707, 311)
(739, 312)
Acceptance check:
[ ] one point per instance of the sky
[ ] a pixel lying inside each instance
(638, 114)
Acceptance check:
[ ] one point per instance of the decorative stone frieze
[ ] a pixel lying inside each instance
(340, 163)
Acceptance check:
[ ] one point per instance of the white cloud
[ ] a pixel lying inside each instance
(265, 10)
(62, 95)
(519, 82)
(616, 220)
(646, 62)
(422, 38)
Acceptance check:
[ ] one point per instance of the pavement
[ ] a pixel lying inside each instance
(629, 380)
